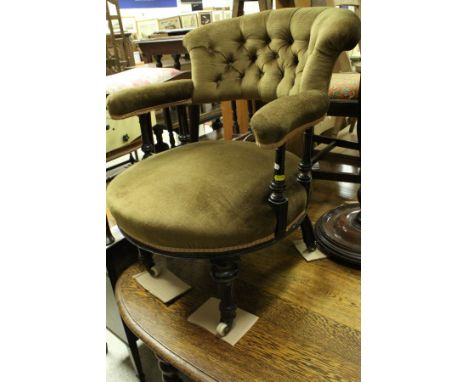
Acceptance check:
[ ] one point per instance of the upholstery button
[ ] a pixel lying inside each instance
(275, 55)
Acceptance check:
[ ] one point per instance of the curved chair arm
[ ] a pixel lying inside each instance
(139, 100)
(276, 122)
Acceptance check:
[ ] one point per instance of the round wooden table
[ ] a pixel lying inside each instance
(309, 317)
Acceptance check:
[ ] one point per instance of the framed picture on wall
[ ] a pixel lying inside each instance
(218, 15)
(169, 23)
(146, 28)
(128, 24)
(205, 18)
(189, 20)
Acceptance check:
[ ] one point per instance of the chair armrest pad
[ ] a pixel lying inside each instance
(139, 100)
(286, 116)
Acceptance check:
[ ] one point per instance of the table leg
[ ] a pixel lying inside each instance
(132, 344)
(158, 61)
(176, 61)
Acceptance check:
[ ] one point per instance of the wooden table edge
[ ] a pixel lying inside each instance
(157, 347)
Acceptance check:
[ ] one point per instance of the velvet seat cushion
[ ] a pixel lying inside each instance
(203, 198)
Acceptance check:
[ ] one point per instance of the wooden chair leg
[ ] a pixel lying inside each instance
(146, 258)
(224, 271)
(308, 234)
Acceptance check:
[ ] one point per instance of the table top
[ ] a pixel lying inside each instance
(161, 39)
(309, 314)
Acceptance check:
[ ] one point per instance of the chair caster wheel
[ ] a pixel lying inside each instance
(312, 248)
(153, 271)
(222, 329)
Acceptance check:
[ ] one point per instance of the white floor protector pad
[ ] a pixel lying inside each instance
(306, 254)
(166, 286)
(207, 316)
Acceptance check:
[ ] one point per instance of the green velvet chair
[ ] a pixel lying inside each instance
(221, 199)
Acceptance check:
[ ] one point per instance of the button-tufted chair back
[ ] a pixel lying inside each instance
(269, 54)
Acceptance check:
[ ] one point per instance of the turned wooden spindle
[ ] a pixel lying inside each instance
(184, 136)
(146, 135)
(168, 123)
(194, 115)
(277, 199)
(304, 177)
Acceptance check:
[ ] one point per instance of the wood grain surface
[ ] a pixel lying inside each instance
(309, 325)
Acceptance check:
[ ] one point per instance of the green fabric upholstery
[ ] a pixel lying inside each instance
(203, 198)
(261, 56)
(276, 120)
(270, 54)
(139, 100)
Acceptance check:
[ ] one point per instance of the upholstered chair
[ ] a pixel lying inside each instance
(220, 199)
